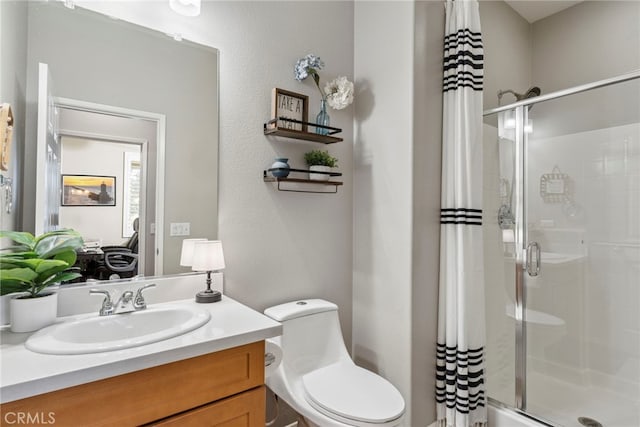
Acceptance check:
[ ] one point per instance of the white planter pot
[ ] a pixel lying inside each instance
(319, 176)
(31, 314)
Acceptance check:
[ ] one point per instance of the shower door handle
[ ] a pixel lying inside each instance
(533, 267)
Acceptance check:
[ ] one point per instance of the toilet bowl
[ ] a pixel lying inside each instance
(317, 377)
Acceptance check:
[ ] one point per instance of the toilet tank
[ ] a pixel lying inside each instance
(311, 335)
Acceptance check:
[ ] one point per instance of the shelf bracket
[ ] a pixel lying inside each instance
(335, 190)
(281, 181)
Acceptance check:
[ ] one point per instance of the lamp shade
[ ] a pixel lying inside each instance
(208, 256)
(185, 7)
(186, 256)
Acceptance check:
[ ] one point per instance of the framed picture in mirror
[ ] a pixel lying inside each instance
(88, 190)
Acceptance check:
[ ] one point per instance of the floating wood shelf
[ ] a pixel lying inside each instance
(271, 128)
(296, 189)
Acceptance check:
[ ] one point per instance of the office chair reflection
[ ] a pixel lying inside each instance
(120, 261)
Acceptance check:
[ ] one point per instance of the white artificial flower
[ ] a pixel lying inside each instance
(339, 92)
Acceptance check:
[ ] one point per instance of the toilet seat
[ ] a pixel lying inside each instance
(353, 395)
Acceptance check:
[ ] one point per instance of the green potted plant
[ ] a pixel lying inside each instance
(320, 161)
(29, 268)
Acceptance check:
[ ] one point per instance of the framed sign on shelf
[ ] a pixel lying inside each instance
(290, 105)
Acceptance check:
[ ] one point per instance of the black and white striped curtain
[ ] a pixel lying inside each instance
(460, 389)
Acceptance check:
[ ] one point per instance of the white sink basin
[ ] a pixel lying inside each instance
(106, 333)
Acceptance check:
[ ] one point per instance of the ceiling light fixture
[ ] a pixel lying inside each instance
(185, 7)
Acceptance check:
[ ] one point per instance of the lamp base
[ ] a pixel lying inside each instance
(208, 296)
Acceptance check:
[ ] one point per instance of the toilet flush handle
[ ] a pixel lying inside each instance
(269, 358)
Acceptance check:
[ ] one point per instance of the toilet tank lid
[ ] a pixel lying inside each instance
(294, 309)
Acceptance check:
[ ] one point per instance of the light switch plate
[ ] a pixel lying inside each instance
(180, 229)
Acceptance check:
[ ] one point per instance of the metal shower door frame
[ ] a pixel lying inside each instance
(521, 109)
(520, 242)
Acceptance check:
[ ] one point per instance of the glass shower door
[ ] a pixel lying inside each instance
(581, 241)
(562, 257)
(499, 144)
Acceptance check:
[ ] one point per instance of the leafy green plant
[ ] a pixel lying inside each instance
(34, 263)
(320, 158)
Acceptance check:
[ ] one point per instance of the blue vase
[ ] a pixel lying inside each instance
(322, 118)
(281, 168)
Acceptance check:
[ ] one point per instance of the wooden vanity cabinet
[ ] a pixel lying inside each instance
(225, 388)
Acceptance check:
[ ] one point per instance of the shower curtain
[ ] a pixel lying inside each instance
(460, 393)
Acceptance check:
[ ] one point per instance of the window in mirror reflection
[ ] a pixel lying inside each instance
(131, 192)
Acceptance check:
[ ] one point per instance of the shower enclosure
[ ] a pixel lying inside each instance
(562, 254)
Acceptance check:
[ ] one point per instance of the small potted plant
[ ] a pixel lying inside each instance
(29, 268)
(320, 161)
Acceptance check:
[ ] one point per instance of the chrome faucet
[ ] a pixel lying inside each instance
(125, 304)
(107, 305)
(139, 303)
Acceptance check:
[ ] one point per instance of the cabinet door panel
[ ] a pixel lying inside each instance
(242, 410)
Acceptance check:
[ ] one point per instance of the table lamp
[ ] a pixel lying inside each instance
(186, 256)
(208, 256)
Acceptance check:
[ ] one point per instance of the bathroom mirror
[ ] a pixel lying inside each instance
(100, 60)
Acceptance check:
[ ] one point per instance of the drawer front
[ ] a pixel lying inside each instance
(144, 396)
(242, 410)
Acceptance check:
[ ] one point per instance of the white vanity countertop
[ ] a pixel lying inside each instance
(24, 373)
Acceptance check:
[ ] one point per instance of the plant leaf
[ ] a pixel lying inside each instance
(24, 275)
(63, 276)
(53, 243)
(69, 257)
(31, 263)
(19, 255)
(22, 237)
(11, 286)
(6, 264)
(60, 232)
(49, 268)
(13, 249)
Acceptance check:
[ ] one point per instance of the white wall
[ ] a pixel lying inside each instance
(427, 154)
(591, 41)
(507, 42)
(383, 197)
(397, 195)
(282, 246)
(105, 158)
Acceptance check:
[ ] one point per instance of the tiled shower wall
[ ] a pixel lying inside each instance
(601, 221)
(591, 262)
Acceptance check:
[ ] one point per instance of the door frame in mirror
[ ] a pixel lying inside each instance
(160, 121)
(142, 146)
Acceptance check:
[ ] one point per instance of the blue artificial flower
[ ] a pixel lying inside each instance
(315, 62)
(300, 69)
(309, 65)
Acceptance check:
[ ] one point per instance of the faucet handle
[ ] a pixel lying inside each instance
(139, 303)
(107, 305)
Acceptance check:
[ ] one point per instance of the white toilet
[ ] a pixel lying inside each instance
(317, 377)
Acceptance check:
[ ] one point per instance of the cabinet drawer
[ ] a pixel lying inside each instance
(242, 410)
(151, 394)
